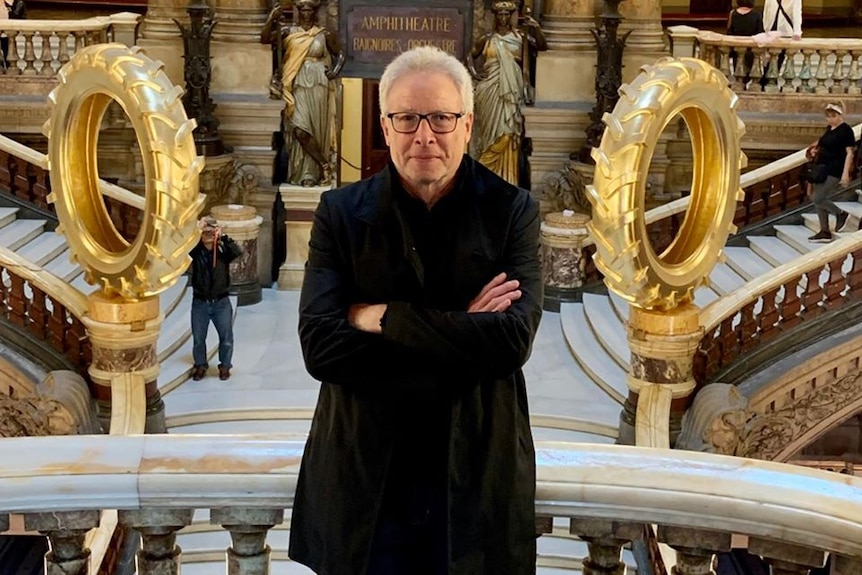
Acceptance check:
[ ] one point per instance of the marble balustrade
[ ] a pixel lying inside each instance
(604, 494)
(41, 47)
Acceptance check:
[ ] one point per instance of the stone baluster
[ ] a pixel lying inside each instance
(63, 47)
(80, 40)
(786, 558)
(29, 55)
(563, 262)
(839, 74)
(66, 531)
(47, 57)
(854, 75)
(695, 548)
(159, 553)
(806, 82)
(242, 224)
(605, 539)
(12, 56)
(845, 565)
(789, 74)
(249, 554)
(773, 72)
(823, 72)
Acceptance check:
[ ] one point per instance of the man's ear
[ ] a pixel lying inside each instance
(385, 126)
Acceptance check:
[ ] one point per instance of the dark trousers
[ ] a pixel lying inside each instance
(823, 204)
(411, 536)
(221, 314)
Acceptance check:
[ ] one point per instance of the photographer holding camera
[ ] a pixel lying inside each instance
(210, 279)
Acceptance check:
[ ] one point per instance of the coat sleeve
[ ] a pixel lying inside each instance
(480, 344)
(230, 249)
(333, 350)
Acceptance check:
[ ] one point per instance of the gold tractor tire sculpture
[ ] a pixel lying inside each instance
(671, 88)
(153, 260)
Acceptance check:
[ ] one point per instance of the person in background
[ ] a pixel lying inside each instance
(4, 40)
(420, 301)
(210, 279)
(834, 151)
(744, 21)
(784, 16)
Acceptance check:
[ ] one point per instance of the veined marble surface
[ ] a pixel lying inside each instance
(270, 391)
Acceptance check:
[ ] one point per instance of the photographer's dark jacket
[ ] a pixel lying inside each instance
(210, 282)
(441, 389)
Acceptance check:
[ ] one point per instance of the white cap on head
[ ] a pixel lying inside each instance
(835, 108)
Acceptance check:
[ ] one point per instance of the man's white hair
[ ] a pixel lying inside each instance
(423, 60)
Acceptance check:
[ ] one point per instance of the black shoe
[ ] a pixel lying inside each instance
(840, 221)
(223, 372)
(199, 372)
(821, 237)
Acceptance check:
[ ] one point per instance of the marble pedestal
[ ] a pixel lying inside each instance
(242, 224)
(563, 261)
(299, 205)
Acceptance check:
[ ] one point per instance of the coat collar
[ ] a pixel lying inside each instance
(378, 197)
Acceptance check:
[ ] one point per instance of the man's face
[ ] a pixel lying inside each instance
(424, 159)
(208, 239)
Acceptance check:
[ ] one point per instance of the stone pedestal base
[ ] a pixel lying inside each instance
(563, 235)
(299, 205)
(242, 224)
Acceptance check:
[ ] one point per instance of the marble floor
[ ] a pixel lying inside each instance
(270, 391)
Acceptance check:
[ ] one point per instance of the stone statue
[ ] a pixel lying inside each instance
(59, 405)
(716, 420)
(501, 89)
(311, 56)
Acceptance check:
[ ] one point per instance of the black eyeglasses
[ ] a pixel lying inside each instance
(439, 122)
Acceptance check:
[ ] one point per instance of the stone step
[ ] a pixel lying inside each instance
(608, 330)
(7, 215)
(176, 329)
(16, 234)
(43, 248)
(62, 267)
(724, 280)
(796, 237)
(746, 262)
(590, 355)
(772, 249)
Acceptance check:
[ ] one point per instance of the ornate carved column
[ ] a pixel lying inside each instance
(695, 548)
(646, 44)
(66, 531)
(159, 20)
(605, 540)
(242, 224)
(556, 123)
(248, 528)
(123, 334)
(563, 261)
(660, 374)
(240, 20)
(159, 552)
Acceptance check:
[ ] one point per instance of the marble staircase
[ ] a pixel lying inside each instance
(595, 329)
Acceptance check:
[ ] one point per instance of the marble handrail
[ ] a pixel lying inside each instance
(73, 299)
(728, 305)
(785, 503)
(746, 180)
(39, 159)
(84, 25)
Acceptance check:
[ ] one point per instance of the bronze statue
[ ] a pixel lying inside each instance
(311, 57)
(501, 89)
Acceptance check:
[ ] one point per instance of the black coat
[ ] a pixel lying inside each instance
(208, 281)
(360, 252)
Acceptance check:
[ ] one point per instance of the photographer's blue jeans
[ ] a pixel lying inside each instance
(221, 314)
